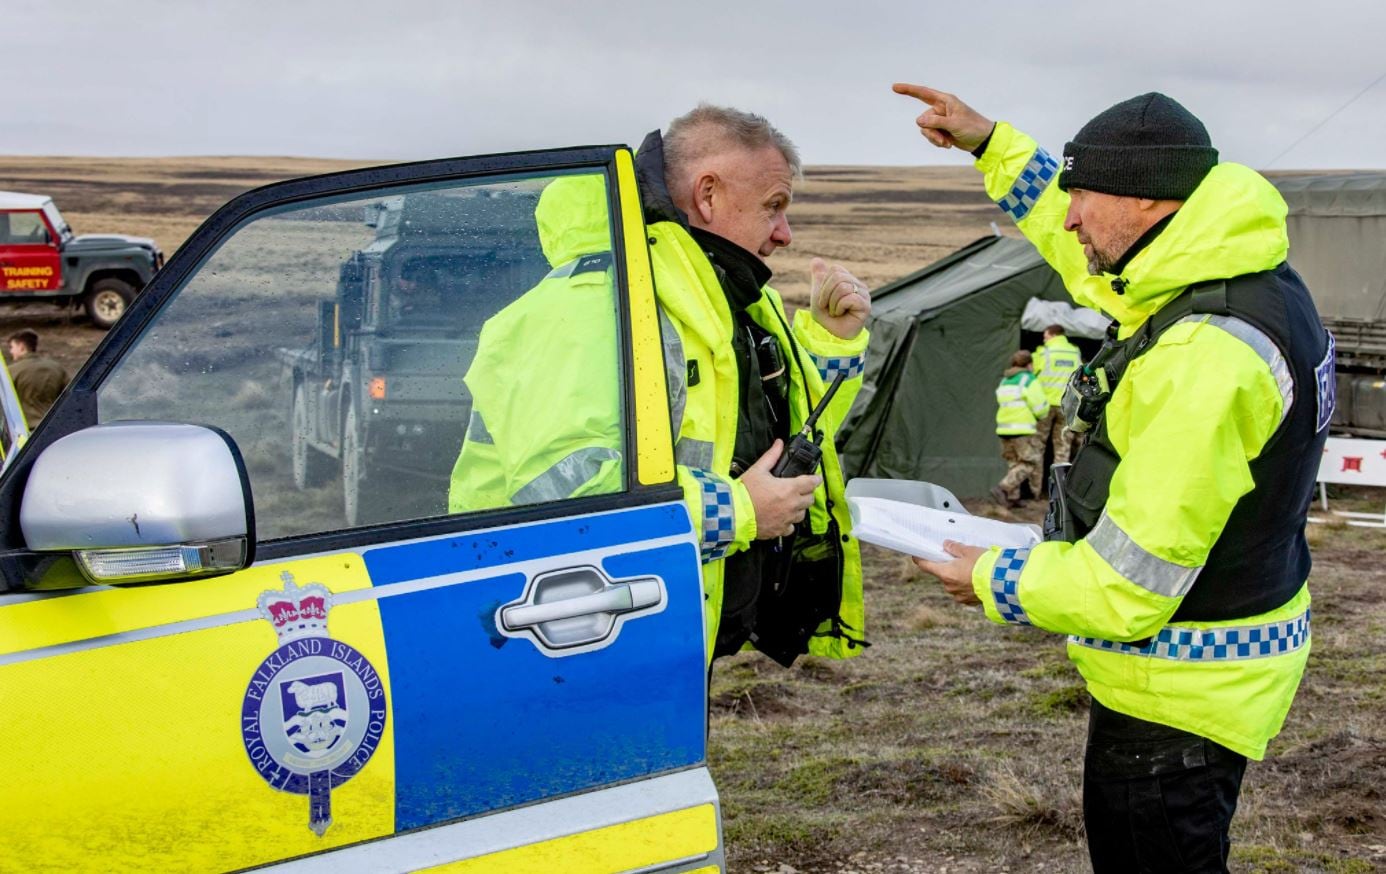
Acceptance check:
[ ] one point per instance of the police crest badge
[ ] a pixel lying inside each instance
(314, 711)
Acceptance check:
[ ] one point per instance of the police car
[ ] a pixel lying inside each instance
(204, 666)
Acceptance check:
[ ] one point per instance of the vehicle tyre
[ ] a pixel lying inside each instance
(362, 497)
(311, 467)
(107, 300)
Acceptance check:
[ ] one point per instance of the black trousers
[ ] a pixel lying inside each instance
(1156, 799)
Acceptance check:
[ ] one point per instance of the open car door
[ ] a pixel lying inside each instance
(204, 665)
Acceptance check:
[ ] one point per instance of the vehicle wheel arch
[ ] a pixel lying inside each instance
(123, 274)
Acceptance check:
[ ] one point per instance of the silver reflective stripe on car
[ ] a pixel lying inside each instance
(1263, 346)
(1145, 569)
(528, 826)
(566, 476)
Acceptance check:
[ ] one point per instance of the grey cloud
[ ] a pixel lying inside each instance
(372, 79)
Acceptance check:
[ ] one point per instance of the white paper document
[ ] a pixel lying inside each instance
(917, 530)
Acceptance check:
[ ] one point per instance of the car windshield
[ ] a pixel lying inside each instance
(450, 291)
(56, 219)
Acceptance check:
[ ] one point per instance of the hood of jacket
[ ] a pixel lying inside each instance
(572, 212)
(572, 218)
(655, 198)
(1233, 224)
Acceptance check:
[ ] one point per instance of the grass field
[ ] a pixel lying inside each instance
(951, 744)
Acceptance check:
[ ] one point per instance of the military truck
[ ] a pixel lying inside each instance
(1337, 226)
(41, 260)
(380, 389)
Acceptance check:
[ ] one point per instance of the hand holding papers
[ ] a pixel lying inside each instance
(916, 518)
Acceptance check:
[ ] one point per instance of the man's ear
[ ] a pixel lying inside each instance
(705, 188)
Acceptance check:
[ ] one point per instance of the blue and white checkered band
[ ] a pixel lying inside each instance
(1027, 189)
(1215, 644)
(719, 521)
(1005, 579)
(1326, 377)
(830, 367)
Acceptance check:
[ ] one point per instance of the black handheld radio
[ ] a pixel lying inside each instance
(805, 450)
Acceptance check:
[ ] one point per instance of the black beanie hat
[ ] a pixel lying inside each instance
(1148, 146)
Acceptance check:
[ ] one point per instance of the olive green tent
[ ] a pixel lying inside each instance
(940, 341)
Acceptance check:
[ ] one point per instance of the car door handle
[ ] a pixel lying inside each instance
(618, 598)
(572, 610)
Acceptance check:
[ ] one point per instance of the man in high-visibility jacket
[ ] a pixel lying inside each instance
(1055, 361)
(779, 569)
(1020, 404)
(1179, 565)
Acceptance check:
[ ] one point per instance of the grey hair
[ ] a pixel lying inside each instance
(694, 135)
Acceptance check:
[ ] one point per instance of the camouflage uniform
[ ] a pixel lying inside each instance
(1054, 423)
(1024, 457)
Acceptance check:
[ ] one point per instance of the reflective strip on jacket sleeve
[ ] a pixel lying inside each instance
(1185, 442)
(723, 515)
(566, 477)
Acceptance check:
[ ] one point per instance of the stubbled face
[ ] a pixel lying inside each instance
(750, 201)
(1106, 224)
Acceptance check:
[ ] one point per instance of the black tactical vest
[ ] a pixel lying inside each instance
(1261, 558)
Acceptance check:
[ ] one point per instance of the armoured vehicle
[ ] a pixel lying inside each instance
(378, 393)
(41, 260)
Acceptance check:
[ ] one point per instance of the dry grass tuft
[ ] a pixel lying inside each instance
(1049, 803)
(927, 616)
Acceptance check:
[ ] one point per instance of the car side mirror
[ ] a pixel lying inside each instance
(140, 502)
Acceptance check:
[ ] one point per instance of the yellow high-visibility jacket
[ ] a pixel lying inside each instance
(1185, 442)
(552, 428)
(1055, 362)
(1020, 402)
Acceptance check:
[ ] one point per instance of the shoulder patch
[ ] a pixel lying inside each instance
(592, 263)
(1326, 379)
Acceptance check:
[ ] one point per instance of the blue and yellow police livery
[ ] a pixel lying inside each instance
(209, 662)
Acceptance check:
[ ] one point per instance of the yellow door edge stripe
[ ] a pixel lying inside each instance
(654, 441)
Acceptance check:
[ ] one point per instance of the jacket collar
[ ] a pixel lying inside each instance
(1233, 224)
(655, 199)
(742, 274)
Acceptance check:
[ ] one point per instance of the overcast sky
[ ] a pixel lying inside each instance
(406, 79)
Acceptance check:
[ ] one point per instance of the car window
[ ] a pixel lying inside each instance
(25, 228)
(349, 346)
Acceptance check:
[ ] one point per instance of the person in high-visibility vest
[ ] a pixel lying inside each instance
(781, 572)
(1177, 562)
(1020, 403)
(1055, 361)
